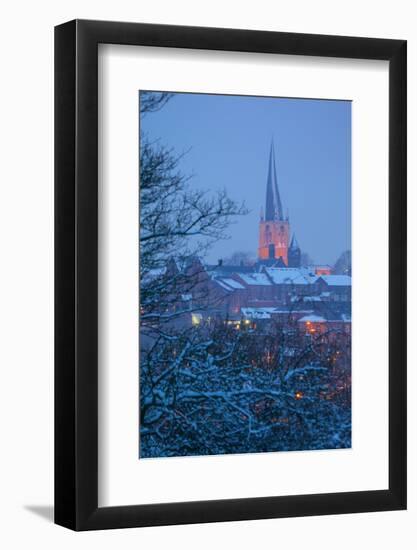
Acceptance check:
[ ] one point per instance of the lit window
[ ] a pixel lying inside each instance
(196, 318)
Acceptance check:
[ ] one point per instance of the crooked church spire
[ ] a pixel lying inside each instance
(273, 206)
(274, 228)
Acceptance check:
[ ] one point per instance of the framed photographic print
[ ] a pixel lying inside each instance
(230, 275)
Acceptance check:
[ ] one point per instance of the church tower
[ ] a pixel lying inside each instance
(274, 228)
(294, 253)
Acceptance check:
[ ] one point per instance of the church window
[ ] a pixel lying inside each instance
(267, 234)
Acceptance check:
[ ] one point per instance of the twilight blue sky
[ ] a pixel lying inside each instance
(228, 138)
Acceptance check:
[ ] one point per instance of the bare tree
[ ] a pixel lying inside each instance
(239, 258)
(343, 265)
(149, 102)
(306, 260)
(177, 223)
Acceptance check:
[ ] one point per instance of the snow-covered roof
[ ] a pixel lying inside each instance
(229, 284)
(222, 284)
(153, 274)
(233, 284)
(257, 312)
(337, 280)
(224, 271)
(255, 279)
(312, 298)
(312, 319)
(290, 275)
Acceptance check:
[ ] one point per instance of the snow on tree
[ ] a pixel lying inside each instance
(221, 390)
(343, 265)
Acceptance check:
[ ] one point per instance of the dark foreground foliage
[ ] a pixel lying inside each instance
(222, 390)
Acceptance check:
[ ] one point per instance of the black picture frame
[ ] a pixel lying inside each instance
(76, 273)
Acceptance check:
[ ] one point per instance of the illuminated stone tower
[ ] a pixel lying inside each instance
(274, 229)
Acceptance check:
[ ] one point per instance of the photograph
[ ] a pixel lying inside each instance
(245, 274)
